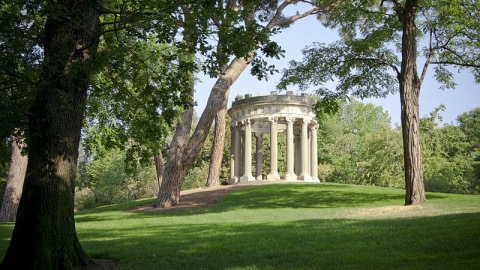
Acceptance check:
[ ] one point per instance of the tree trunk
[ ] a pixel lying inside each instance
(44, 236)
(409, 98)
(174, 168)
(16, 175)
(217, 149)
(159, 167)
(179, 160)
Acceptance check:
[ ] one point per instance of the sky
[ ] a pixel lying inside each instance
(465, 97)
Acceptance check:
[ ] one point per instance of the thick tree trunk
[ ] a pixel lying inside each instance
(409, 97)
(16, 175)
(44, 236)
(182, 159)
(170, 191)
(159, 168)
(217, 149)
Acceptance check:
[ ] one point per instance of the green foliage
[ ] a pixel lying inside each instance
(146, 70)
(21, 26)
(366, 62)
(196, 176)
(357, 146)
(138, 97)
(449, 154)
(469, 123)
(103, 181)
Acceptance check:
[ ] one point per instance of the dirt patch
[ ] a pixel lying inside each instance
(400, 211)
(388, 211)
(201, 197)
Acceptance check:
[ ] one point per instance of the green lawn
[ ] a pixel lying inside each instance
(289, 226)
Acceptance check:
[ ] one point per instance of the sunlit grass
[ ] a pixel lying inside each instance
(289, 226)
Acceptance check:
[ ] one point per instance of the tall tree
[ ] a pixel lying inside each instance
(178, 164)
(16, 177)
(366, 64)
(63, 49)
(45, 212)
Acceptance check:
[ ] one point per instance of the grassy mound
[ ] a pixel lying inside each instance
(289, 226)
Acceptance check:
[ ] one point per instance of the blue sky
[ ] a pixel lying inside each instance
(304, 32)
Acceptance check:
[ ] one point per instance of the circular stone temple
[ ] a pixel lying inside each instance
(272, 115)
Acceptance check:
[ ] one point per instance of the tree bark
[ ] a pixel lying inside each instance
(409, 98)
(44, 236)
(16, 176)
(174, 168)
(217, 149)
(159, 168)
(180, 159)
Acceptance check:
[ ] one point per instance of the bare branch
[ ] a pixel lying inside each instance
(430, 55)
(452, 63)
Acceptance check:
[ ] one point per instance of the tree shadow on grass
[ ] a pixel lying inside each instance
(443, 242)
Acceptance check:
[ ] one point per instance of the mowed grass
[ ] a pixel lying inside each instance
(289, 226)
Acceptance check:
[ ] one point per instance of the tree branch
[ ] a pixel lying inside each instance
(375, 60)
(455, 64)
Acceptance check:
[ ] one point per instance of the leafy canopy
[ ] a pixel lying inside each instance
(366, 62)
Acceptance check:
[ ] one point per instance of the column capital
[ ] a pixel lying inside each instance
(258, 134)
(273, 119)
(246, 122)
(290, 119)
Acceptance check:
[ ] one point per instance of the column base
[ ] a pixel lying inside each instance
(315, 179)
(273, 177)
(259, 178)
(233, 180)
(291, 177)
(305, 177)
(247, 177)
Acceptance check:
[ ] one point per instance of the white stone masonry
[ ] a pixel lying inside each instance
(270, 115)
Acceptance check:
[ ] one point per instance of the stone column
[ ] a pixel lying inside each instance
(304, 174)
(314, 157)
(298, 159)
(247, 157)
(309, 153)
(242, 154)
(259, 156)
(289, 174)
(238, 152)
(232, 156)
(273, 174)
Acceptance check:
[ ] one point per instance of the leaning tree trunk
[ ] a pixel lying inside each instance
(217, 149)
(182, 159)
(169, 190)
(44, 236)
(159, 168)
(16, 175)
(409, 97)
